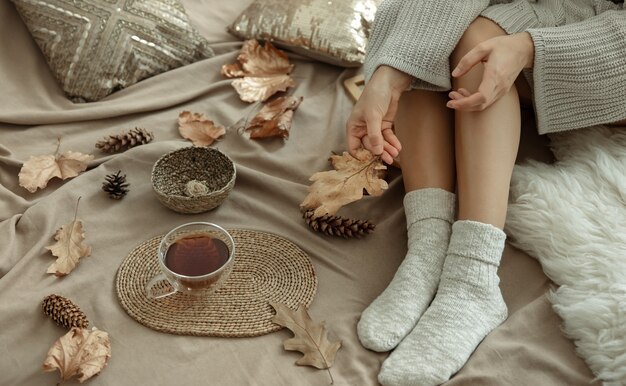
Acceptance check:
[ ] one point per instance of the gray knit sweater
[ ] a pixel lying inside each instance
(579, 74)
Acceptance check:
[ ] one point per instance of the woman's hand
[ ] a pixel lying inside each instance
(371, 121)
(503, 58)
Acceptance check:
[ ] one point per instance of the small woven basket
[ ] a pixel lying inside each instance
(193, 179)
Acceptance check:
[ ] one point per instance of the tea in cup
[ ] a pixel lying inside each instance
(194, 258)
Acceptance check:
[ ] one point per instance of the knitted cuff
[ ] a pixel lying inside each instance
(572, 59)
(429, 203)
(478, 241)
(512, 18)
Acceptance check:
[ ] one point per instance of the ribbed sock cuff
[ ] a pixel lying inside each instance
(429, 203)
(478, 241)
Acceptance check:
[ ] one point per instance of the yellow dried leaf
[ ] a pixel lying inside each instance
(265, 71)
(37, 171)
(274, 119)
(310, 338)
(80, 352)
(199, 129)
(69, 248)
(335, 188)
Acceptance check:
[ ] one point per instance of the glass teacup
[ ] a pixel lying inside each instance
(194, 259)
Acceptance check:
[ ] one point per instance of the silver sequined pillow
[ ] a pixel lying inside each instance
(95, 47)
(333, 31)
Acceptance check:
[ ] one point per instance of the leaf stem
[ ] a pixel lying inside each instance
(56, 152)
(76, 210)
(69, 244)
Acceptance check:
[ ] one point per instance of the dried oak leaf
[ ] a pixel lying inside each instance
(274, 119)
(69, 248)
(80, 352)
(37, 171)
(265, 71)
(199, 129)
(309, 338)
(335, 188)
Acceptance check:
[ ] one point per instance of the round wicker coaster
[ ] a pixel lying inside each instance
(267, 268)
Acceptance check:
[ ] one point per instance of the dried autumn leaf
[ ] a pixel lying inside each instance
(257, 60)
(259, 89)
(69, 248)
(335, 188)
(309, 338)
(38, 171)
(274, 119)
(265, 71)
(199, 129)
(232, 70)
(80, 352)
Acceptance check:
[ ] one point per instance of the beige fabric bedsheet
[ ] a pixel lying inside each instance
(272, 177)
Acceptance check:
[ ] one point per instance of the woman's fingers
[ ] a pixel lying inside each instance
(467, 103)
(472, 58)
(391, 139)
(387, 153)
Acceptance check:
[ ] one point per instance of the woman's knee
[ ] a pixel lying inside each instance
(479, 30)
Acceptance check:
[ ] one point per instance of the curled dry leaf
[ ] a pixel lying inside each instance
(257, 60)
(309, 338)
(199, 129)
(81, 352)
(335, 188)
(38, 171)
(274, 119)
(265, 71)
(69, 248)
(255, 89)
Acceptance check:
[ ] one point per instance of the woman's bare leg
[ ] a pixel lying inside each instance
(425, 127)
(486, 141)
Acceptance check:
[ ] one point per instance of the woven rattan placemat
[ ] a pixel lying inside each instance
(267, 268)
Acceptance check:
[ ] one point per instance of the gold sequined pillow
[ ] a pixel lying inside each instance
(333, 31)
(95, 47)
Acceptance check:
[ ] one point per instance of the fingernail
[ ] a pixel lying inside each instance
(455, 72)
(450, 104)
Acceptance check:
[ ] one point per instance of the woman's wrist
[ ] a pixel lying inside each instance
(398, 80)
(528, 47)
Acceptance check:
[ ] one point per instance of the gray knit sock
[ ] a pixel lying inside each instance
(429, 213)
(468, 306)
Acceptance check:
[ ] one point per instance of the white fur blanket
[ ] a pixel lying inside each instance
(571, 215)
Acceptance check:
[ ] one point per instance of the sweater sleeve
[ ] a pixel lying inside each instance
(418, 36)
(580, 73)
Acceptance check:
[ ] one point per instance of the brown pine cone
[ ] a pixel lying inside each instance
(124, 141)
(115, 185)
(337, 225)
(64, 312)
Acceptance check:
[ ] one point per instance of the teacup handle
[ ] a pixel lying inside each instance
(153, 293)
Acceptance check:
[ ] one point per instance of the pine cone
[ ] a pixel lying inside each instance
(64, 312)
(124, 141)
(115, 185)
(338, 226)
